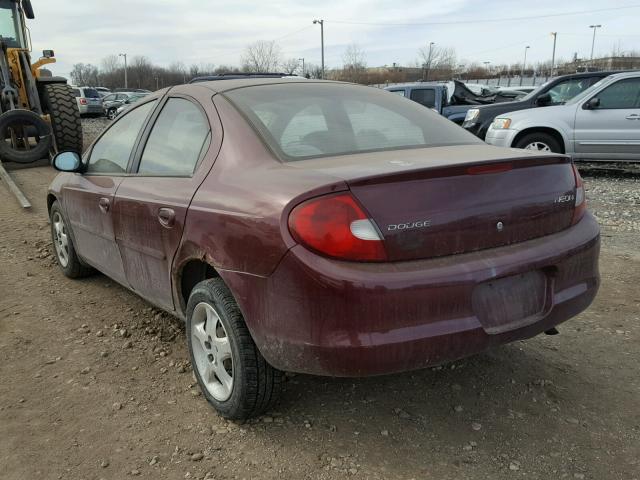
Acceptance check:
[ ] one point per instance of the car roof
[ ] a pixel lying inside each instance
(417, 84)
(235, 83)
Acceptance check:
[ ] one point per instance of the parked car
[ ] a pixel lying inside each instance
(88, 100)
(114, 101)
(602, 123)
(450, 99)
(334, 229)
(554, 92)
(102, 91)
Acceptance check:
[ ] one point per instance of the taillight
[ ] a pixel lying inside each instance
(581, 201)
(336, 226)
(83, 101)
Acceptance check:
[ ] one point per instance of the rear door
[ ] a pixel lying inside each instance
(151, 205)
(88, 198)
(612, 130)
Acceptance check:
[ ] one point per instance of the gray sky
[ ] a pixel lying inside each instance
(196, 31)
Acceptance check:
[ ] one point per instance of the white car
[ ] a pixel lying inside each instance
(601, 123)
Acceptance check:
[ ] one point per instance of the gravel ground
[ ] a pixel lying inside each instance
(96, 384)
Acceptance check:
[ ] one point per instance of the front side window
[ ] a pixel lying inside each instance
(308, 120)
(109, 98)
(177, 141)
(424, 96)
(622, 94)
(110, 154)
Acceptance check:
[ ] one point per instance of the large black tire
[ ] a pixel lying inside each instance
(256, 385)
(31, 123)
(69, 262)
(540, 139)
(58, 101)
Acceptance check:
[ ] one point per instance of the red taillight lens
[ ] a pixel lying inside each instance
(83, 101)
(336, 226)
(581, 200)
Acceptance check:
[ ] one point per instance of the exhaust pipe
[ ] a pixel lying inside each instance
(552, 331)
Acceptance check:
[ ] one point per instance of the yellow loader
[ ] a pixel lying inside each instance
(38, 112)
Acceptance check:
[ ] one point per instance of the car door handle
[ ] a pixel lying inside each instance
(167, 217)
(104, 203)
(633, 116)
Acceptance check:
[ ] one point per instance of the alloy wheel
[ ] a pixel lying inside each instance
(61, 240)
(538, 146)
(212, 351)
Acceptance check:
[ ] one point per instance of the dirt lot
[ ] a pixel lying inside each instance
(95, 384)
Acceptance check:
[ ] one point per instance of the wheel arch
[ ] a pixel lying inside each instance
(548, 130)
(51, 198)
(187, 275)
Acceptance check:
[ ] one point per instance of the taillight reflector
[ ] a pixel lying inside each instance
(336, 226)
(581, 200)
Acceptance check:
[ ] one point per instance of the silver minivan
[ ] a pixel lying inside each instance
(601, 123)
(89, 100)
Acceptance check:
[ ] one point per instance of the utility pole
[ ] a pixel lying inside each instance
(157, 87)
(431, 44)
(321, 22)
(125, 68)
(593, 42)
(524, 63)
(553, 55)
(302, 59)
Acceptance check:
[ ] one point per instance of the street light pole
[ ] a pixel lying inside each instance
(302, 65)
(321, 22)
(431, 44)
(524, 63)
(593, 41)
(553, 55)
(125, 68)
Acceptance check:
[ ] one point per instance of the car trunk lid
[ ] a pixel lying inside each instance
(449, 200)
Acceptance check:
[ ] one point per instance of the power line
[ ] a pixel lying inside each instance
(485, 20)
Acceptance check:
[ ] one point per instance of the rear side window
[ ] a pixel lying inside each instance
(309, 120)
(178, 139)
(424, 96)
(111, 152)
(91, 93)
(398, 92)
(622, 94)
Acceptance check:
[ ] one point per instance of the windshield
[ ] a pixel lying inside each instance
(311, 120)
(534, 92)
(10, 25)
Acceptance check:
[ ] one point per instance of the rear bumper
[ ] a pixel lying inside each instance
(87, 109)
(326, 317)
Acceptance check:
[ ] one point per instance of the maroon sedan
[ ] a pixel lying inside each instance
(323, 228)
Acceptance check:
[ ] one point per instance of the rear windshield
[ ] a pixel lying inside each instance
(90, 93)
(300, 121)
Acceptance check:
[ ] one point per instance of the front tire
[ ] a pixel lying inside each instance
(234, 377)
(66, 255)
(539, 142)
(112, 114)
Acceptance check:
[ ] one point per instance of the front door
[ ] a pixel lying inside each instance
(611, 131)
(89, 197)
(151, 206)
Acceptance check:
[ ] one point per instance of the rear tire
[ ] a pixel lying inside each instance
(58, 101)
(63, 247)
(234, 377)
(540, 142)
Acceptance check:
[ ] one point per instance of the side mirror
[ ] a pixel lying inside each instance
(592, 104)
(48, 54)
(544, 99)
(67, 162)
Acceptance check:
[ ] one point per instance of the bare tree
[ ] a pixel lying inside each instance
(261, 56)
(440, 61)
(354, 64)
(84, 74)
(291, 65)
